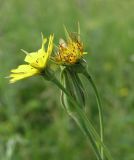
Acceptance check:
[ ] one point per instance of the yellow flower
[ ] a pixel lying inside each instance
(37, 62)
(71, 51)
(123, 92)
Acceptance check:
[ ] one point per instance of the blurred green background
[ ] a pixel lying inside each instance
(33, 125)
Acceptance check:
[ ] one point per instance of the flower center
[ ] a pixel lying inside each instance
(70, 53)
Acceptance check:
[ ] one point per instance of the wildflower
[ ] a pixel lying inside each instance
(69, 52)
(70, 55)
(37, 62)
(123, 92)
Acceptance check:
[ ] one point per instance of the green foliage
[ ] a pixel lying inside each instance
(32, 122)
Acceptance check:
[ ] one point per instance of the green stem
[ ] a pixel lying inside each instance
(88, 124)
(99, 109)
(82, 125)
(87, 134)
(89, 127)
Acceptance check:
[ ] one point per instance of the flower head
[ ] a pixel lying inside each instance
(37, 62)
(70, 52)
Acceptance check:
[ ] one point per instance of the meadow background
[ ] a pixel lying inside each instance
(33, 125)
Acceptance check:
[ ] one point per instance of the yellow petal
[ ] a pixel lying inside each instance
(39, 59)
(44, 40)
(23, 71)
(33, 59)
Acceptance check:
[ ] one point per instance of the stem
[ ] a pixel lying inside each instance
(86, 133)
(89, 127)
(99, 109)
(82, 125)
(85, 119)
